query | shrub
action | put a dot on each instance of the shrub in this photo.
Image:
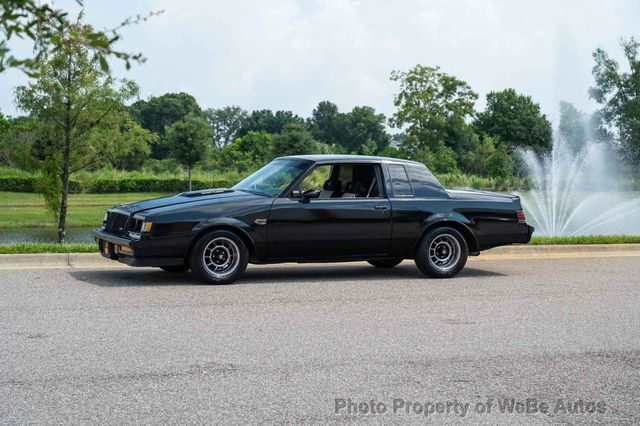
(17, 184)
(29, 184)
(168, 166)
(105, 186)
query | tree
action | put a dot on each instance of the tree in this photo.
(322, 122)
(247, 152)
(516, 120)
(135, 142)
(43, 24)
(365, 133)
(4, 129)
(499, 164)
(226, 123)
(295, 139)
(159, 112)
(429, 104)
(618, 93)
(187, 140)
(360, 131)
(72, 100)
(474, 161)
(5, 151)
(20, 143)
(266, 121)
(4, 124)
(572, 127)
(440, 159)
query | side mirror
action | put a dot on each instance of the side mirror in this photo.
(304, 195)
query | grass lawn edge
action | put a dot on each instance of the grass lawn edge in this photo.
(34, 248)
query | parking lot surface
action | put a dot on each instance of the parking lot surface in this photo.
(319, 343)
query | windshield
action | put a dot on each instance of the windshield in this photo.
(273, 178)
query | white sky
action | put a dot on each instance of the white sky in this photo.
(288, 54)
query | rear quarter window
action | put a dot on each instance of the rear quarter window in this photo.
(400, 181)
(424, 183)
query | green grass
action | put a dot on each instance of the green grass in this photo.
(24, 210)
(587, 239)
(23, 248)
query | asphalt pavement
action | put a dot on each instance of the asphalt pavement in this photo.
(514, 341)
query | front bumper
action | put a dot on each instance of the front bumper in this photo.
(99, 234)
(131, 252)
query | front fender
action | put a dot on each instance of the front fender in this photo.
(222, 221)
(254, 236)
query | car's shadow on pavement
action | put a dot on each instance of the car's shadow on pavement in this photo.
(265, 275)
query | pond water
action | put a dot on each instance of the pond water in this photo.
(44, 235)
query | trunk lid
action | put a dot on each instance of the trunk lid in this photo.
(472, 194)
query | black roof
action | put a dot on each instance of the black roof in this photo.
(343, 157)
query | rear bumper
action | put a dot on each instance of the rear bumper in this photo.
(524, 233)
(131, 252)
(514, 234)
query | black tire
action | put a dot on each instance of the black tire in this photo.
(224, 250)
(442, 253)
(385, 263)
(175, 268)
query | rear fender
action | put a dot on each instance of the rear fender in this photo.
(454, 220)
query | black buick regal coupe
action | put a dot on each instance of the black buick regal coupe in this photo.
(315, 208)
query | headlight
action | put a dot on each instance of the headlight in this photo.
(104, 220)
(144, 228)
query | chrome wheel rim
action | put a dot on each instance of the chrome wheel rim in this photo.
(444, 252)
(221, 257)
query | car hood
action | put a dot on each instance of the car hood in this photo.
(183, 198)
(471, 194)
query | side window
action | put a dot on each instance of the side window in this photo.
(342, 181)
(316, 180)
(424, 183)
(400, 181)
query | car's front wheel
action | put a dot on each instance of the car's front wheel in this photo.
(442, 253)
(219, 257)
(385, 263)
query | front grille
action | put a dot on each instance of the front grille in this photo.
(116, 223)
(135, 225)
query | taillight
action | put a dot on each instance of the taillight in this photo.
(521, 216)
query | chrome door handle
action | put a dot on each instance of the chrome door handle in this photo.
(380, 207)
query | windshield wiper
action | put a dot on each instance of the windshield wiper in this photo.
(252, 191)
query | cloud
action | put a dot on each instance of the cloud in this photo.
(287, 54)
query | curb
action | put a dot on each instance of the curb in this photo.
(56, 260)
(569, 248)
(516, 252)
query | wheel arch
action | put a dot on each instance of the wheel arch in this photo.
(467, 233)
(242, 234)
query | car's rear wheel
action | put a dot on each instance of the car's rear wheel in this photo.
(219, 257)
(442, 253)
(385, 263)
(175, 268)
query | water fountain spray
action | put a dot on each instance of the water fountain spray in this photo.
(579, 192)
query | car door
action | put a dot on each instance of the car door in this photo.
(335, 224)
